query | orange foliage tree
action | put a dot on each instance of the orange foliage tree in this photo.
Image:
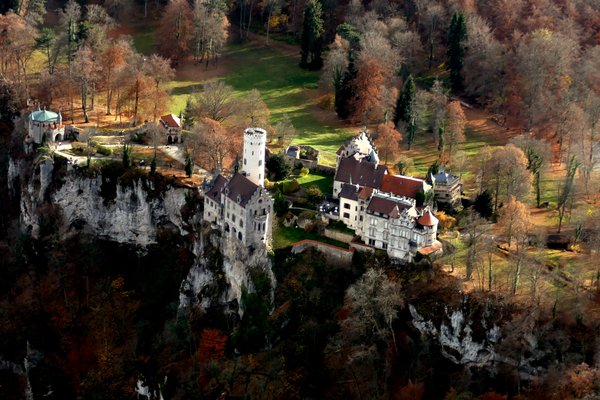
(175, 30)
(388, 141)
(368, 86)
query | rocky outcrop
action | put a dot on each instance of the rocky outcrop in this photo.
(223, 270)
(133, 216)
(133, 209)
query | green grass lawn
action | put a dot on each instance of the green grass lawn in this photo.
(323, 182)
(144, 39)
(286, 236)
(283, 86)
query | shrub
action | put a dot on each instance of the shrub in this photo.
(279, 166)
(483, 204)
(291, 186)
(280, 204)
(314, 196)
(327, 102)
(269, 185)
(103, 150)
(304, 171)
(446, 221)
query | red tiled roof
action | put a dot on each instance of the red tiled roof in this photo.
(365, 193)
(428, 219)
(436, 246)
(171, 121)
(401, 185)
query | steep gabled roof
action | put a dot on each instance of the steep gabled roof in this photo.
(386, 206)
(365, 193)
(240, 186)
(362, 173)
(217, 186)
(349, 192)
(402, 185)
(171, 121)
(428, 219)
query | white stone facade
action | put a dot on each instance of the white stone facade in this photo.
(240, 207)
(45, 125)
(255, 141)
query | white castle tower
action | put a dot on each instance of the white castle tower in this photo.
(255, 141)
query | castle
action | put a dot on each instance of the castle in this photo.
(45, 125)
(382, 208)
(241, 207)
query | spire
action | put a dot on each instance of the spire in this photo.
(59, 118)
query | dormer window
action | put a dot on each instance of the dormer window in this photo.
(239, 199)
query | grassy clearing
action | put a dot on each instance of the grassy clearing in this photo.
(144, 39)
(284, 87)
(323, 182)
(286, 236)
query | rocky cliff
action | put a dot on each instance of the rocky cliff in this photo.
(132, 207)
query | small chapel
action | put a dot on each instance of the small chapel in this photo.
(45, 126)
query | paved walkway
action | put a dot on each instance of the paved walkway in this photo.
(174, 151)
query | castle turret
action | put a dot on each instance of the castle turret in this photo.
(255, 141)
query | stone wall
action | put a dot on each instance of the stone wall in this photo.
(339, 236)
(332, 253)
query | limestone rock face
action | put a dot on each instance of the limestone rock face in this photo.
(132, 217)
(134, 213)
(226, 276)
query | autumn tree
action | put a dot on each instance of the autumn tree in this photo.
(456, 36)
(285, 131)
(210, 25)
(507, 174)
(404, 165)
(175, 30)
(367, 103)
(484, 64)
(255, 110)
(454, 131)
(566, 190)
(113, 60)
(160, 72)
(374, 302)
(515, 221)
(311, 41)
(544, 60)
(209, 140)
(538, 154)
(387, 140)
(335, 65)
(216, 101)
(86, 73)
(474, 236)
(17, 44)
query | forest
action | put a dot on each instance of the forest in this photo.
(504, 93)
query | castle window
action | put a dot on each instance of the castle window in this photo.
(241, 223)
(346, 215)
(259, 163)
(244, 161)
(346, 206)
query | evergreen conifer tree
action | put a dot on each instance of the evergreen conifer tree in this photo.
(153, 165)
(344, 92)
(126, 155)
(189, 166)
(456, 51)
(405, 108)
(312, 36)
